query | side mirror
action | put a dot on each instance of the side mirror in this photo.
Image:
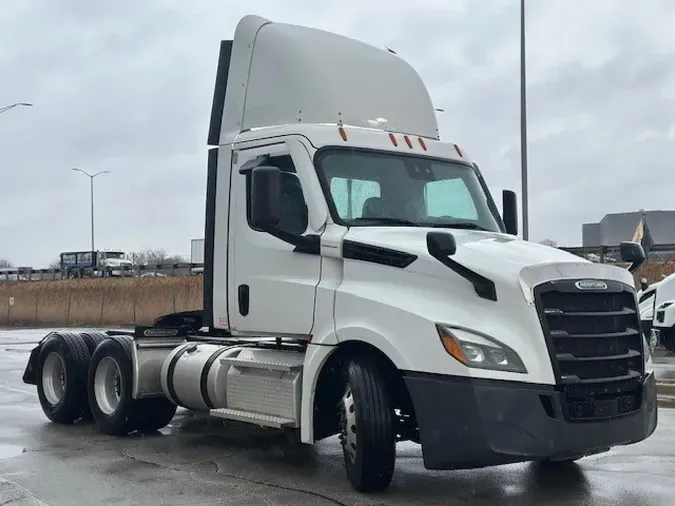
(441, 244)
(510, 211)
(632, 252)
(265, 197)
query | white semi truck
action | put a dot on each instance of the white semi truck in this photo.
(359, 281)
(662, 298)
(646, 299)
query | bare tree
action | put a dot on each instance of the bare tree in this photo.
(56, 264)
(154, 257)
(5, 264)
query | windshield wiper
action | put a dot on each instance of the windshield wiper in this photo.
(389, 221)
(459, 224)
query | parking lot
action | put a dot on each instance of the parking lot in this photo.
(197, 462)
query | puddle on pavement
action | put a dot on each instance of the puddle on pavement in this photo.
(8, 451)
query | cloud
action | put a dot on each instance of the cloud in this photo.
(127, 86)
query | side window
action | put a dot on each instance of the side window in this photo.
(449, 197)
(350, 195)
(294, 214)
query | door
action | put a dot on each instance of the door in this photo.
(271, 288)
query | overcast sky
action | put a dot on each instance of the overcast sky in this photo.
(127, 86)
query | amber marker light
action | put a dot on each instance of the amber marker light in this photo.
(451, 344)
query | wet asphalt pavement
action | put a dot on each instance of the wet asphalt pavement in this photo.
(200, 462)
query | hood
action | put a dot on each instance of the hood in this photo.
(116, 261)
(477, 250)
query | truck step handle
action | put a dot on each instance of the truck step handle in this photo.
(243, 296)
(250, 417)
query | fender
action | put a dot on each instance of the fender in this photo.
(316, 357)
(377, 340)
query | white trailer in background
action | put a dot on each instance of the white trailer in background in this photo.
(359, 281)
(197, 251)
(197, 255)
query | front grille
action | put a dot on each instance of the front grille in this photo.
(595, 343)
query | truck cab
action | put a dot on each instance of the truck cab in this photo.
(339, 217)
(95, 263)
(646, 306)
(359, 281)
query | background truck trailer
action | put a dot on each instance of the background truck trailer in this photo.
(360, 282)
(197, 255)
(197, 251)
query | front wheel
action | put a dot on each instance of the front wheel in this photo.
(367, 427)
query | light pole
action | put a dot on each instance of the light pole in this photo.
(12, 106)
(91, 188)
(523, 126)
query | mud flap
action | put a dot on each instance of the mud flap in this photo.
(29, 375)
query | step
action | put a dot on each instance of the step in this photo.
(272, 361)
(250, 417)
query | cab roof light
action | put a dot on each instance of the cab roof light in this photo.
(407, 141)
(393, 140)
(343, 134)
(422, 143)
(459, 151)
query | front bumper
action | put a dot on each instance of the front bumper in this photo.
(466, 423)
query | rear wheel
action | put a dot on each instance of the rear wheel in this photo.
(61, 374)
(367, 427)
(91, 340)
(110, 392)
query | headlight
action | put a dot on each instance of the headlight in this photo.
(480, 351)
(647, 356)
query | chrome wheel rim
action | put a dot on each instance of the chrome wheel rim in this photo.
(348, 425)
(54, 378)
(108, 385)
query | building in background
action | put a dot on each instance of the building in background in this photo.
(657, 229)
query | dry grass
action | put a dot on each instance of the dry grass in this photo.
(97, 302)
(129, 301)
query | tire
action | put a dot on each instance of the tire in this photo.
(109, 386)
(367, 426)
(61, 375)
(564, 462)
(92, 340)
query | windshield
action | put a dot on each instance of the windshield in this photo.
(108, 255)
(374, 189)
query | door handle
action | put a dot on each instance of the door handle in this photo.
(243, 299)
